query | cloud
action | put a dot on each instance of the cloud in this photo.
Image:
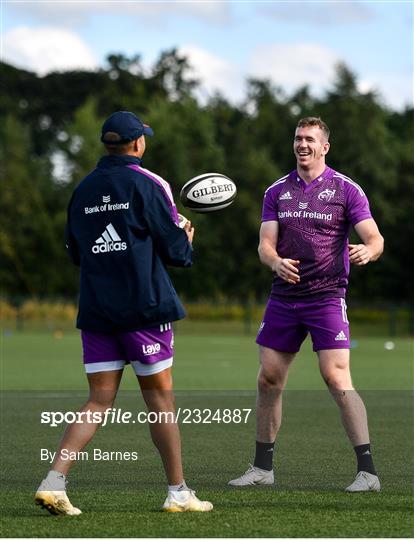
(293, 65)
(69, 13)
(214, 73)
(289, 66)
(396, 91)
(319, 12)
(286, 65)
(45, 49)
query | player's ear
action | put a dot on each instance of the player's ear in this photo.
(325, 148)
(139, 145)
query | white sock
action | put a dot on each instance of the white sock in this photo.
(56, 480)
(178, 487)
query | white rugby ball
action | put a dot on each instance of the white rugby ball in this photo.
(208, 192)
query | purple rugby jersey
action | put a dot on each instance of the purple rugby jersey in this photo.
(314, 223)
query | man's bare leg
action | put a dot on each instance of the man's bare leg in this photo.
(103, 387)
(157, 391)
(335, 370)
(271, 381)
(51, 494)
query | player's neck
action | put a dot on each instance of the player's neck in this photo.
(309, 174)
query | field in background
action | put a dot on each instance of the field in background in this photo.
(224, 317)
(214, 360)
(213, 369)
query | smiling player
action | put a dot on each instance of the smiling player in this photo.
(307, 216)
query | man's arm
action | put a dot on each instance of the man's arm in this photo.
(284, 268)
(172, 244)
(371, 248)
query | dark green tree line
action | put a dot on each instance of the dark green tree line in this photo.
(49, 139)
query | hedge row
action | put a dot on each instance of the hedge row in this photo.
(40, 311)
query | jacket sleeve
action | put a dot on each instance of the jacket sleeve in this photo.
(71, 245)
(171, 242)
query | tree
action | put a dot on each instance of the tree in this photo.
(61, 115)
(362, 147)
(28, 239)
(80, 141)
(172, 72)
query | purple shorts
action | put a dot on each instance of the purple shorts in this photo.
(286, 324)
(149, 351)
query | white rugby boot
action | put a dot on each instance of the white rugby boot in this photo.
(254, 477)
(55, 501)
(364, 481)
(185, 501)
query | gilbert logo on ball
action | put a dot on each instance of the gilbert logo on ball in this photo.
(208, 192)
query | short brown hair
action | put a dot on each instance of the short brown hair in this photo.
(314, 121)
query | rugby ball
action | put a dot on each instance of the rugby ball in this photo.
(208, 192)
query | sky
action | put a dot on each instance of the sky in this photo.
(291, 43)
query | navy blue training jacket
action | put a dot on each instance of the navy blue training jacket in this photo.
(122, 231)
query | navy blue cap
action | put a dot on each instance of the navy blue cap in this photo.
(126, 125)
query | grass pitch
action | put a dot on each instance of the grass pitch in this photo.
(314, 460)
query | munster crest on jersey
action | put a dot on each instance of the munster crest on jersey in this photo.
(326, 195)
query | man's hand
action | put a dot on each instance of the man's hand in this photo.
(287, 270)
(189, 231)
(359, 254)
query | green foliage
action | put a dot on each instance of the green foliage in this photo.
(28, 239)
(58, 118)
(81, 146)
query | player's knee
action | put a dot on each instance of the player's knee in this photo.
(102, 398)
(337, 380)
(269, 382)
(331, 381)
(159, 399)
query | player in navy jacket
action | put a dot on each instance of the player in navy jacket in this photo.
(122, 230)
(124, 245)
